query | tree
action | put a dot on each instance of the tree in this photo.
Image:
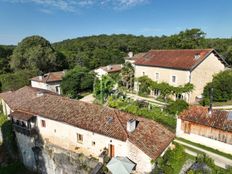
(188, 39)
(103, 88)
(35, 52)
(76, 81)
(127, 75)
(222, 87)
(16, 80)
(176, 107)
(5, 52)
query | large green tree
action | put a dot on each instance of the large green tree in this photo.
(35, 52)
(76, 81)
(222, 87)
(5, 52)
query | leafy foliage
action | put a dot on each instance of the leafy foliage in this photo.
(176, 107)
(5, 52)
(36, 52)
(16, 80)
(146, 85)
(149, 112)
(76, 81)
(127, 75)
(103, 88)
(222, 87)
(172, 161)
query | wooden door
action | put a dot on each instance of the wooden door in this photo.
(111, 150)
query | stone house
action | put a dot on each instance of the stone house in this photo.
(84, 128)
(50, 81)
(179, 67)
(212, 128)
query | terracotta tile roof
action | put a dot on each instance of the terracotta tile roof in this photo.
(149, 136)
(112, 68)
(218, 119)
(50, 77)
(21, 115)
(176, 59)
(15, 98)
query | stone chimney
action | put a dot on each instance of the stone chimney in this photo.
(131, 125)
(197, 56)
(130, 54)
(109, 67)
(39, 94)
(40, 77)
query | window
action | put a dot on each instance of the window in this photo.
(179, 97)
(156, 92)
(79, 138)
(43, 123)
(173, 79)
(157, 76)
(57, 89)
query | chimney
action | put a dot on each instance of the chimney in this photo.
(39, 94)
(40, 77)
(211, 101)
(131, 125)
(197, 56)
(130, 54)
(109, 67)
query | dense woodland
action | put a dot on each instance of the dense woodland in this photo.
(35, 55)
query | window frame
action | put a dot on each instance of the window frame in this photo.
(79, 138)
(172, 79)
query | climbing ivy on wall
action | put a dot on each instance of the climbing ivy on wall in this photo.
(146, 85)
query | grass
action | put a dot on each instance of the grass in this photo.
(229, 156)
(227, 103)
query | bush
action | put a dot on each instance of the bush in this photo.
(177, 107)
(153, 113)
(172, 161)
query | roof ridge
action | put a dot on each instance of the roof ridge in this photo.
(181, 49)
(121, 123)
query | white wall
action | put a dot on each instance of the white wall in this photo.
(50, 86)
(227, 148)
(143, 161)
(6, 109)
(64, 135)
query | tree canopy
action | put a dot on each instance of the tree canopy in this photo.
(76, 81)
(35, 52)
(222, 88)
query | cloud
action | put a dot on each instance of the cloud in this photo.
(73, 5)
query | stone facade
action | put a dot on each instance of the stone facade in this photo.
(199, 76)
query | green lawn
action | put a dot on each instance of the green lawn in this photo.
(227, 103)
(229, 156)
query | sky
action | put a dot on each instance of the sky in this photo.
(57, 20)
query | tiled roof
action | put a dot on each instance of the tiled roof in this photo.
(112, 68)
(176, 59)
(149, 136)
(21, 115)
(15, 98)
(50, 77)
(218, 119)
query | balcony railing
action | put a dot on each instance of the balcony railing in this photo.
(24, 130)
